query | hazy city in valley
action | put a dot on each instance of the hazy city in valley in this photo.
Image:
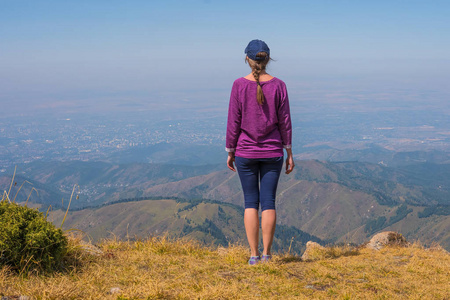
(329, 125)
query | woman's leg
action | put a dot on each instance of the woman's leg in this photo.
(248, 171)
(251, 222)
(268, 222)
(270, 173)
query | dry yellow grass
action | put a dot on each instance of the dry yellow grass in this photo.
(159, 268)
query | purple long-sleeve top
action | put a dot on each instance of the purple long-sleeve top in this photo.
(254, 130)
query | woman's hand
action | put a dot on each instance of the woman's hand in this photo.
(230, 161)
(289, 161)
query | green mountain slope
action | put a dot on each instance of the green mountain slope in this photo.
(334, 201)
(427, 230)
(205, 221)
(24, 188)
(387, 185)
(105, 182)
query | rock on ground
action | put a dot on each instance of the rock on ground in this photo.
(114, 290)
(386, 238)
(90, 249)
(311, 249)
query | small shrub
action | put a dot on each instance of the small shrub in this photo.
(28, 242)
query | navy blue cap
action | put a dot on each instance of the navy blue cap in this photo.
(254, 47)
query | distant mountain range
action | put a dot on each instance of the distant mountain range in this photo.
(331, 201)
(197, 155)
(344, 202)
(99, 182)
(372, 153)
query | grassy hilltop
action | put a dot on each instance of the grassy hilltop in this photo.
(159, 268)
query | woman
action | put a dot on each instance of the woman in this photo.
(258, 128)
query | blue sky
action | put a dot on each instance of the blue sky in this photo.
(58, 48)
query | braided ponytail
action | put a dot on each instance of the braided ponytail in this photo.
(257, 67)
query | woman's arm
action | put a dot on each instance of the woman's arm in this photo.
(230, 161)
(285, 126)
(284, 119)
(289, 161)
(233, 122)
(233, 127)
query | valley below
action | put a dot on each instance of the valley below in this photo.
(327, 202)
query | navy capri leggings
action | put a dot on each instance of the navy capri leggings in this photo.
(259, 179)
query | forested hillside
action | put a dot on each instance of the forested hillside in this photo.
(210, 222)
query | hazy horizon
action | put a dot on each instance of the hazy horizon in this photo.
(100, 80)
(98, 55)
